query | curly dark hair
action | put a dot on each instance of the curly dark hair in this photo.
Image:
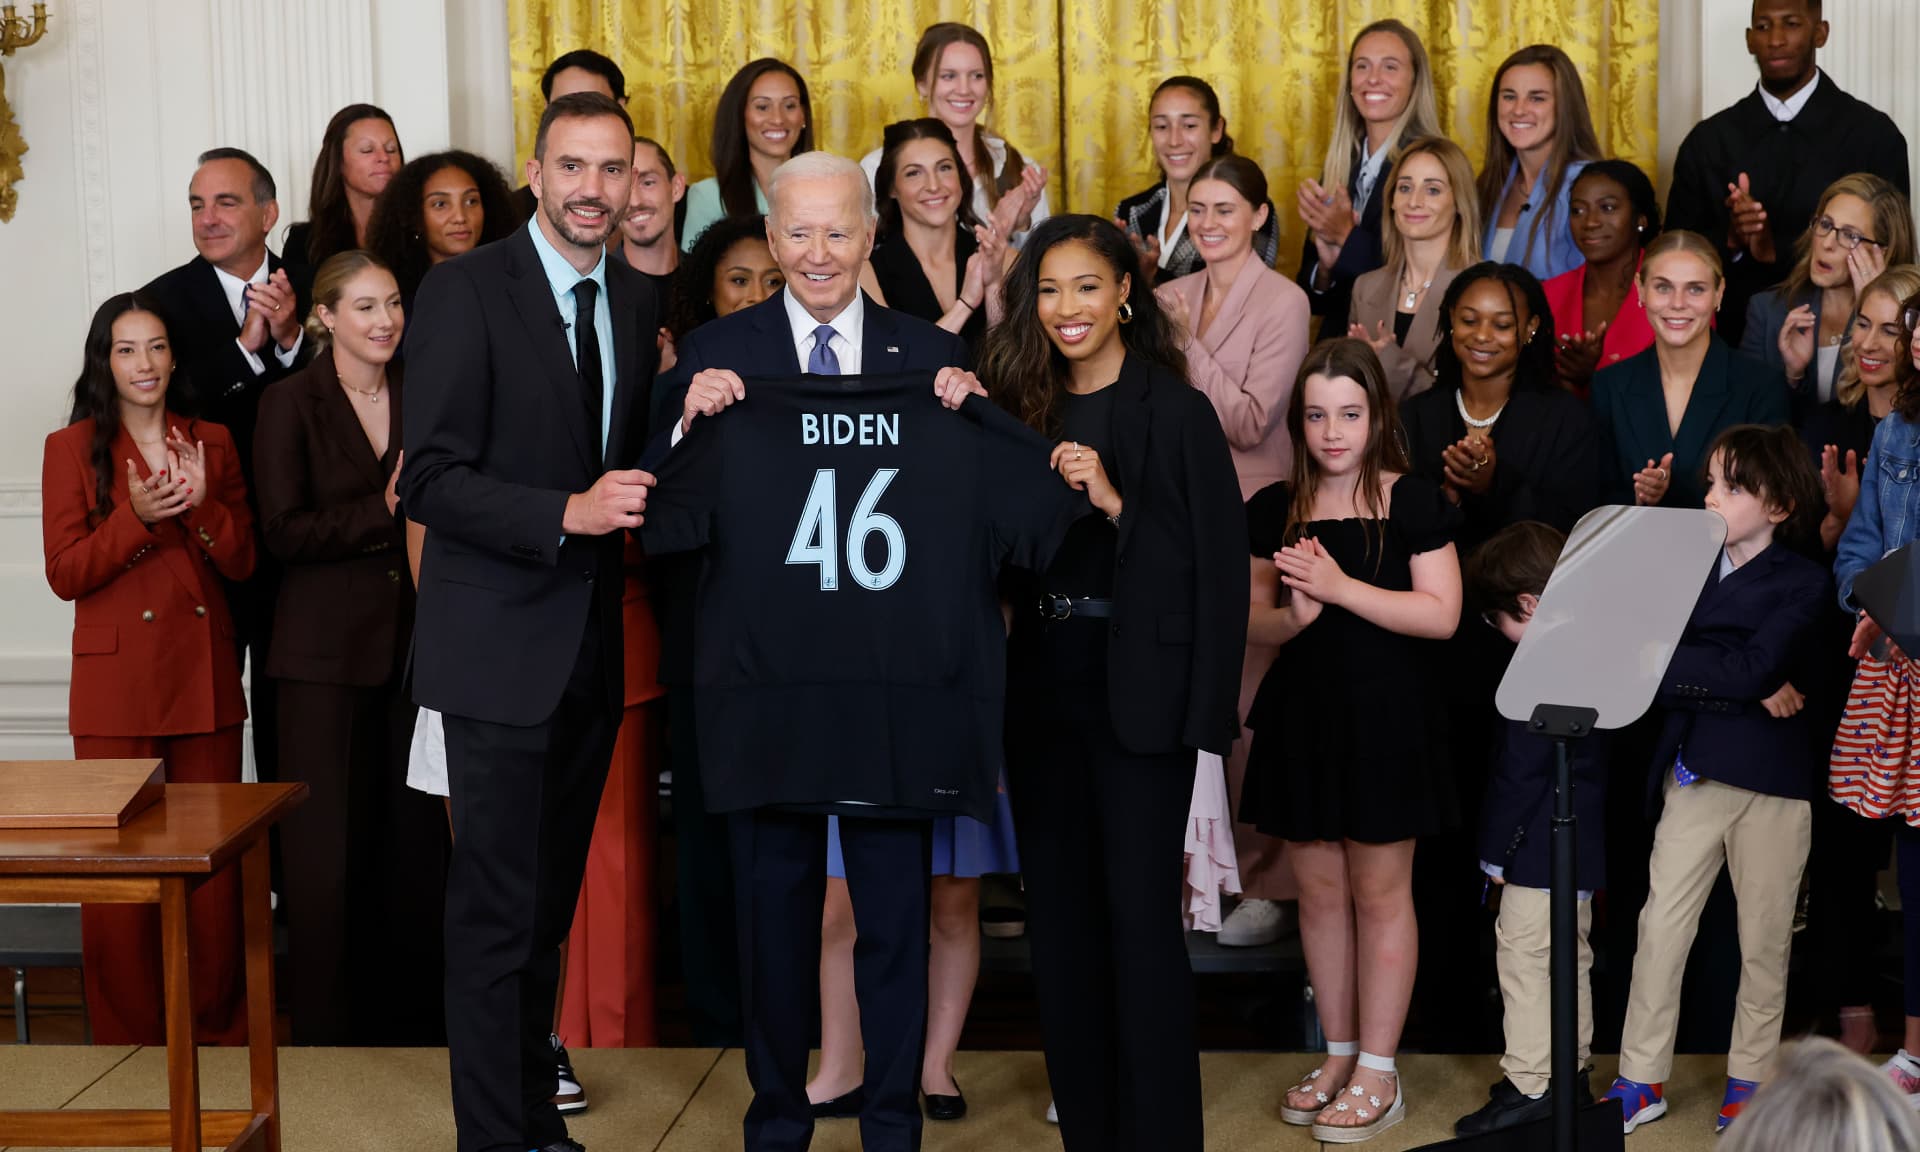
(1019, 364)
(693, 290)
(395, 232)
(327, 205)
(1535, 370)
(96, 397)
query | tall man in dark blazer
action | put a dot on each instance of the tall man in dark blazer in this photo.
(527, 366)
(1750, 176)
(820, 227)
(234, 312)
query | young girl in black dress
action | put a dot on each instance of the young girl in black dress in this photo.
(1348, 760)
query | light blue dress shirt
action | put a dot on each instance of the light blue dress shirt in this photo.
(1553, 250)
(562, 277)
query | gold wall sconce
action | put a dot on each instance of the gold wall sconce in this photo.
(15, 32)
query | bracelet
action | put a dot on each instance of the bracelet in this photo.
(970, 307)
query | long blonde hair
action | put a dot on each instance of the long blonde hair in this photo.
(1899, 283)
(1573, 139)
(1421, 116)
(1463, 249)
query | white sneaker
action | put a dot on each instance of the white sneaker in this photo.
(1053, 1114)
(1253, 923)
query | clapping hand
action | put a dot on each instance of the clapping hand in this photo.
(1330, 217)
(1650, 483)
(1178, 314)
(1796, 342)
(1748, 227)
(1381, 337)
(159, 497)
(1579, 355)
(1014, 213)
(189, 463)
(1146, 247)
(1307, 567)
(1840, 480)
(1468, 464)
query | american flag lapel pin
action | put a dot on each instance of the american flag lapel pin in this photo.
(892, 349)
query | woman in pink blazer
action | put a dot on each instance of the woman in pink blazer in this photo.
(1245, 334)
(1245, 325)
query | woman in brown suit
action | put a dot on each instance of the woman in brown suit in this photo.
(359, 854)
(144, 513)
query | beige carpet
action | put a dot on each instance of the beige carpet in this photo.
(691, 1100)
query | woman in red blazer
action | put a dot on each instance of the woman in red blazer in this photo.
(144, 513)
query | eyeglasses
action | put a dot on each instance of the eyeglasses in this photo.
(1491, 618)
(1823, 226)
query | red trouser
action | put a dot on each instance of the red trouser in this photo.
(120, 943)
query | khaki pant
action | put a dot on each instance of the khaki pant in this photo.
(1763, 840)
(1523, 939)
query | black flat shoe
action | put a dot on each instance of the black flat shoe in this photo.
(952, 1107)
(844, 1107)
(1507, 1107)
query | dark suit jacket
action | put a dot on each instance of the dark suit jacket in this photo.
(1788, 166)
(1747, 636)
(1766, 315)
(1361, 254)
(153, 642)
(1516, 817)
(1180, 591)
(225, 388)
(1733, 388)
(498, 435)
(758, 341)
(345, 605)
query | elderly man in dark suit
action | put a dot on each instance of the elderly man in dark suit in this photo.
(527, 367)
(820, 227)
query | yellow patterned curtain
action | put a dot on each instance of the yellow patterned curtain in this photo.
(1072, 77)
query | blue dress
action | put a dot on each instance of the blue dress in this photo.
(962, 846)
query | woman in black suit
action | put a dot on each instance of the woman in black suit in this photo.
(1124, 658)
(1501, 438)
(1661, 410)
(362, 876)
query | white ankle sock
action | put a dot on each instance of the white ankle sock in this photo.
(1343, 1047)
(1908, 1061)
(1372, 1063)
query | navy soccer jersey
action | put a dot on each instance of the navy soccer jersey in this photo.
(848, 642)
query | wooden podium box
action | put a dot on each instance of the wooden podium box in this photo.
(77, 793)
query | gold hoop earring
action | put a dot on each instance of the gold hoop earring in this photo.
(1126, 312)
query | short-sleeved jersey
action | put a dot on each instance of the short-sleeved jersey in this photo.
(848, 643)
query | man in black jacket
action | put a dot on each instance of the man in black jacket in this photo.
(234, 313)
(1750, 176)
(527, 366)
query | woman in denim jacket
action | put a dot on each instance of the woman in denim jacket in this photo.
(1886, 516)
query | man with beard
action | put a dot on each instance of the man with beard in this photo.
(527, 365)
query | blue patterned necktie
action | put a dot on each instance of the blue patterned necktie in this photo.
(822, 361)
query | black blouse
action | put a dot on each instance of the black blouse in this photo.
(1545, 464)
(905, 285)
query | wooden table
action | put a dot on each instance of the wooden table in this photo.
(159, 857)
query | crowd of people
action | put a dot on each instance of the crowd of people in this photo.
(401, 472)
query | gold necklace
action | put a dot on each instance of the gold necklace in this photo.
(373, 395)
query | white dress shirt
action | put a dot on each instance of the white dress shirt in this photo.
(236, 290)
(1371, 165)
(848, 327)
(1786, 110)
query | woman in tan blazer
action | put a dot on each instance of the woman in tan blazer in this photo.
(1243, 325)
(1433, 236)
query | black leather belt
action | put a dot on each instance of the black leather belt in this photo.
(1055, 607)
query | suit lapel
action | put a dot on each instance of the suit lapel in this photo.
(209, 301)
(1647, 409)
(532, 297)
(627, 384)
(1710, 394)
(1233, 309)
(1132, 432)
(336, 412)
(1423, 334)
(177, 560)
(881, 348)
(776, 336)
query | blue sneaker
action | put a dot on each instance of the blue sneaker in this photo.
(1639, 1103)
(1738, 1092)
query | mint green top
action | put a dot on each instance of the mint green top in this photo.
(704, 207)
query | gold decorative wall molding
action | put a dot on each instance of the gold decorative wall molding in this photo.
(12, 147)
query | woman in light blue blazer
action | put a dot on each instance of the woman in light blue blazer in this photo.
(1539, 137)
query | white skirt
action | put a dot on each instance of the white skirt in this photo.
(427, 759)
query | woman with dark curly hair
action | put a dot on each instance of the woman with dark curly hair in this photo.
(730, 267)
(359, 155)
(436, 208)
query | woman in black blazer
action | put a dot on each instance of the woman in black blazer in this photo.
(363, 853)
(1660, 411)
(1124, 659)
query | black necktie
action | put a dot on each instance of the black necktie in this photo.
(586, 349)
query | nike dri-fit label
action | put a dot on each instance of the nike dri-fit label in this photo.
(848, 644)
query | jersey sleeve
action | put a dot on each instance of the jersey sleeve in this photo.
(680, 509)
(1029, 506)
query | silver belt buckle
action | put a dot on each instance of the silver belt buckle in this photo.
(1053, 607)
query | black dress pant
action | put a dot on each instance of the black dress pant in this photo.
(709, 951)
(368, 869)
(1102, 834)
(524, 801)
(780, 872)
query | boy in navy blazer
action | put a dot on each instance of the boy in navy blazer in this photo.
(1506, 576)
(1732, 763)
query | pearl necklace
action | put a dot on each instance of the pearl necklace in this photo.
(1460, 402)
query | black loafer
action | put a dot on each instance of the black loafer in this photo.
(844, 1107)
(1508, 1107)
(952, 1107)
